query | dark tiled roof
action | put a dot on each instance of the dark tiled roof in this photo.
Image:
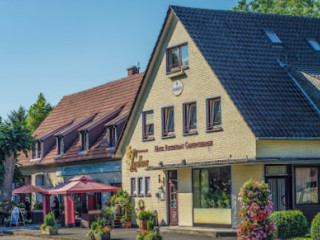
(235, 46)
(73, 111)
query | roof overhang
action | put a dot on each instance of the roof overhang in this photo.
(239, 161)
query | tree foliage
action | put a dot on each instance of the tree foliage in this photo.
(38, 112)
(15, 138)
(310, 8)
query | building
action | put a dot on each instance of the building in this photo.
(227, 96)
(80, 136)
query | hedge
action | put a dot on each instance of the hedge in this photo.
(291, 223)
(315, 227)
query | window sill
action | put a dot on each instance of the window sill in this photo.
(177, 72)
(148, 139)
(140, 195)
(191, 133)
(82, 152)
(36, 159)
(216, 129)
(134, 195)
(148, 195)
(59, 156)
(169, 136)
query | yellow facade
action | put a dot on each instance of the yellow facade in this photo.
(288, 148)
(235, 141)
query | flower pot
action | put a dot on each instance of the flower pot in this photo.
(105, 236)
(127, 225)
(143, 225)
(50, 231)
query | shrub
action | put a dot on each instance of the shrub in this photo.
(255, 209)
(150, 225)
(145, 216)
(290, 224)
(141, 205)
(142, 235)
(315, 227)
(49, 220)
(152, 236)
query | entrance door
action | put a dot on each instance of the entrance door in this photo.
(173, 198)
(279, 193)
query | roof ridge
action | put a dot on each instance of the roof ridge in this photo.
(109, 82)
(242, 12)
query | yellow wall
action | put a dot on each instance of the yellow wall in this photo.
(185, 196)
(239, 175)
(235, 141)
(288, 148)
(212, 215)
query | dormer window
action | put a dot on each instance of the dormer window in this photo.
(60, 145)
(314, 44)
(273, 37)
(177, 58)
(83, 141)
(36, 152)
(111, 136)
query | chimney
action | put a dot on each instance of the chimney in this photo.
(132, 71)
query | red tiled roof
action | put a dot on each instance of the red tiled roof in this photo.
(99, 101)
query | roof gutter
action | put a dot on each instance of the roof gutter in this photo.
(287, 138)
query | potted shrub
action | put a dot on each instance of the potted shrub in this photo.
(144, 217)
(49, 226)
(150, 233)
(98, 232)
(122, 201)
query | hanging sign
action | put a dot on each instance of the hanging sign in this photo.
(177, 87)
(132, 155)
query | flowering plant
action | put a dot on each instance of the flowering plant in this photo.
(256, 206)
(106, 230)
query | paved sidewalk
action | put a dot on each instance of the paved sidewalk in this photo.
(33, 232)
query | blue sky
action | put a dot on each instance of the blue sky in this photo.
(59, 47)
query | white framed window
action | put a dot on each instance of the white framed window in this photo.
(177, 57)
(111, 136)
(83, 141)
(147, 186)
(133, 187)
(60, 145)
(190, 118)
(148, 125)
(168, 121)
(36, 152)
(214, 116)
(140, 187)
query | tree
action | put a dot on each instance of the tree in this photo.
(310, 8)
(14, 140)
(38, 112)
(18, 117)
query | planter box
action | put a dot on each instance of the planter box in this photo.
(105, 236)
(50, 231)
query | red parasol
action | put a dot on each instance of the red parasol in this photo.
(28, 189)
(81, 184)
